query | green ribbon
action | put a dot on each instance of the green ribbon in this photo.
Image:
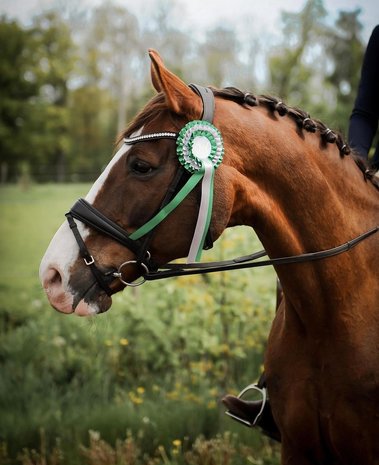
(162, 214)
(200, 149)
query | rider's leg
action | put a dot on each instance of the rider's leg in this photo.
(256, 413)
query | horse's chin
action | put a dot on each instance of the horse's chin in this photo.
(84, 308)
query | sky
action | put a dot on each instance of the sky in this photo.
(202, 15)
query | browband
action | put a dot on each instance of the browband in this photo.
(150, 137)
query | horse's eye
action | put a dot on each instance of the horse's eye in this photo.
(141, 167)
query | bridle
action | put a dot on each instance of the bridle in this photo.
(138, 242)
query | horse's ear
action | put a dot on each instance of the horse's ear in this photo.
(180, 98)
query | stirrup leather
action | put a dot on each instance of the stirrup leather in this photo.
(250, 387)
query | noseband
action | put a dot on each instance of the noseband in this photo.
(139, 241)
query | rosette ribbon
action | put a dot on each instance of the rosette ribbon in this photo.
(200, 150)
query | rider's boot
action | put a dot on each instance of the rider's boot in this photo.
(253, 413)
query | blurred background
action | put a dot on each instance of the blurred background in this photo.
(141, 384)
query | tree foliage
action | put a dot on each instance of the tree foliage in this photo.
(17, 89)
(345, 51)
(36, 69)
(66, 89)
(290, 72)
(318, 67)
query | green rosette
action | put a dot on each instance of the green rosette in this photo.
(197, 142)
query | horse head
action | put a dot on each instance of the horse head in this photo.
(135, 185)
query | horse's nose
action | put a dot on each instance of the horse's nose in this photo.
(52, 279)
(59, 298)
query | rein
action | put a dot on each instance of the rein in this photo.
(171, 270)
(202, 169)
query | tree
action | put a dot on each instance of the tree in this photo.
(17, 88)
(54, 54)
(103, 86)
(289, 71)
(220, 55)
(163, 33)
(92, 128)
(345, 51)
(112, 48)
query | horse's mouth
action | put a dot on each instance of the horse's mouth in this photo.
(92, 301)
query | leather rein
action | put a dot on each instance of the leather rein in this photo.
(250, 261)
(89, 215)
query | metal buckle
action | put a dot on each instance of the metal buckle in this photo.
(118, 273)
(250, 387)
(89, 262)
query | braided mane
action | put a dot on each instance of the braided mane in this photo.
(302, 120)
(154, 108)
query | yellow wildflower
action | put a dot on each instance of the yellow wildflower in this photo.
(124, 341)
(211, 404)
(135, 399)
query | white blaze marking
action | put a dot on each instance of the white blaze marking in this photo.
(95, 189)
(91, 196)
(63, 250)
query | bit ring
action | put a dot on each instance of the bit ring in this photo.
(118, 274)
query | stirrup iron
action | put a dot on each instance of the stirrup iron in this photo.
(250, 387)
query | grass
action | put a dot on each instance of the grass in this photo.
(155, 365)
(29, 218)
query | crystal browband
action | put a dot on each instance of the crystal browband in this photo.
(152, 136)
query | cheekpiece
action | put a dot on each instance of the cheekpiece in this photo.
(197, 142)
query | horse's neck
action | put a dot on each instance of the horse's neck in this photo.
(302, 197)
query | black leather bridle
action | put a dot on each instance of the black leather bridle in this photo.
(89, 215)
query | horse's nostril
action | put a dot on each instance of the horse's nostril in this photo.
(52, 279)
(53, 284)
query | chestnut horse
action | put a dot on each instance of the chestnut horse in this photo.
(291, 179)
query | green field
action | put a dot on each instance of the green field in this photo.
(139, 385)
